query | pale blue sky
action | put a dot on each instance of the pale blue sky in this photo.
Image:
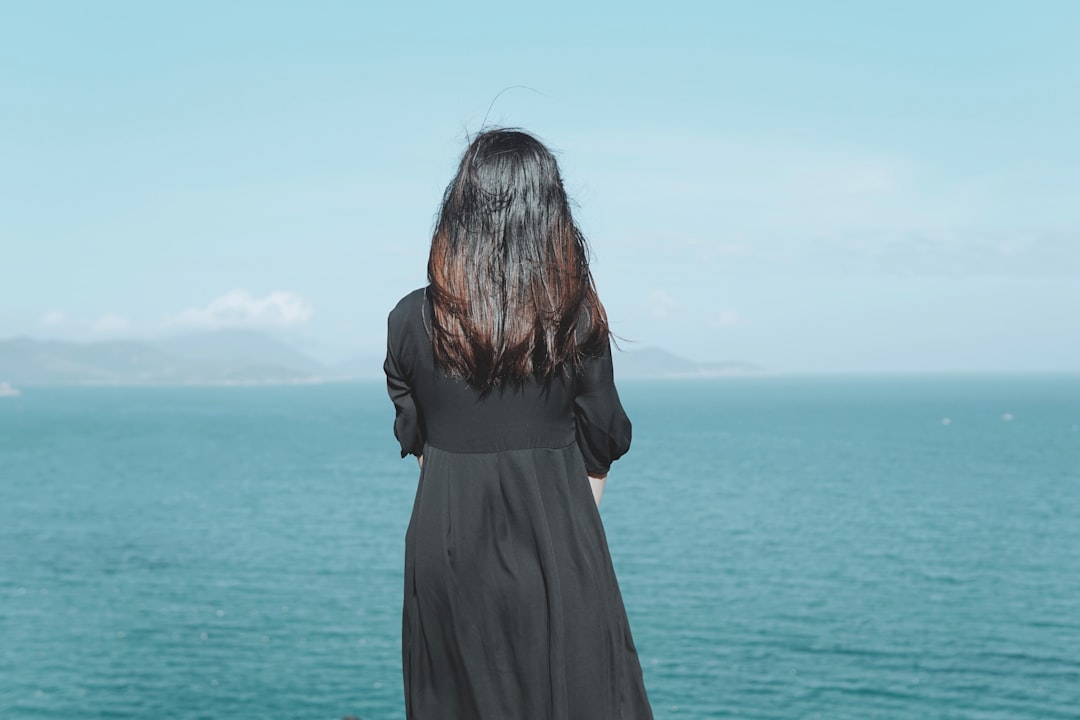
(808, 186)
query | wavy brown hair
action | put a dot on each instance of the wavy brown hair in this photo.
(508, 271)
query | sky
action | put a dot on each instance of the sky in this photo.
(807, 186)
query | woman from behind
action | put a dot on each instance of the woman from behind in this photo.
(501, 377)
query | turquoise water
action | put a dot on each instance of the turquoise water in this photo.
(787, 548)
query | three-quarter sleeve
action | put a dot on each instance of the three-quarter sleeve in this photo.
(408, 423)
(603, 429)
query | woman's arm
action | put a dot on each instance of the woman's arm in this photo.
(597, 484)
(408, 422)
(603, 429)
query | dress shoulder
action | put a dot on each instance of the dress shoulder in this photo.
(409, 310)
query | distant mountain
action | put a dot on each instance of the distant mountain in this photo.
(654, 363)
(213, 358)
(230, 350)
(241, 357)
(25, 361)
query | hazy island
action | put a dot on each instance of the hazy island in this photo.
(246, 357)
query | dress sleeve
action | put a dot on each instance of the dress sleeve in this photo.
(408, 425)
(603, 429)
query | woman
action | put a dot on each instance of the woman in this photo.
(500, 373)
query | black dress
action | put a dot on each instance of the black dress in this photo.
(512, 610)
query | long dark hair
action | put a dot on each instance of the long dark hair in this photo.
(509, 269)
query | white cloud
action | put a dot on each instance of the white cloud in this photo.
(239, 308)
(661, 304)
(53, 318)
(109, 324)
(762, 204)
(761, 184)
(958, 252)
(725, 319)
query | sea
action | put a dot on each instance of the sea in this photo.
(787, 547)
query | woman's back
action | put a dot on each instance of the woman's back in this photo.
(452, 415)
(459, 418)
